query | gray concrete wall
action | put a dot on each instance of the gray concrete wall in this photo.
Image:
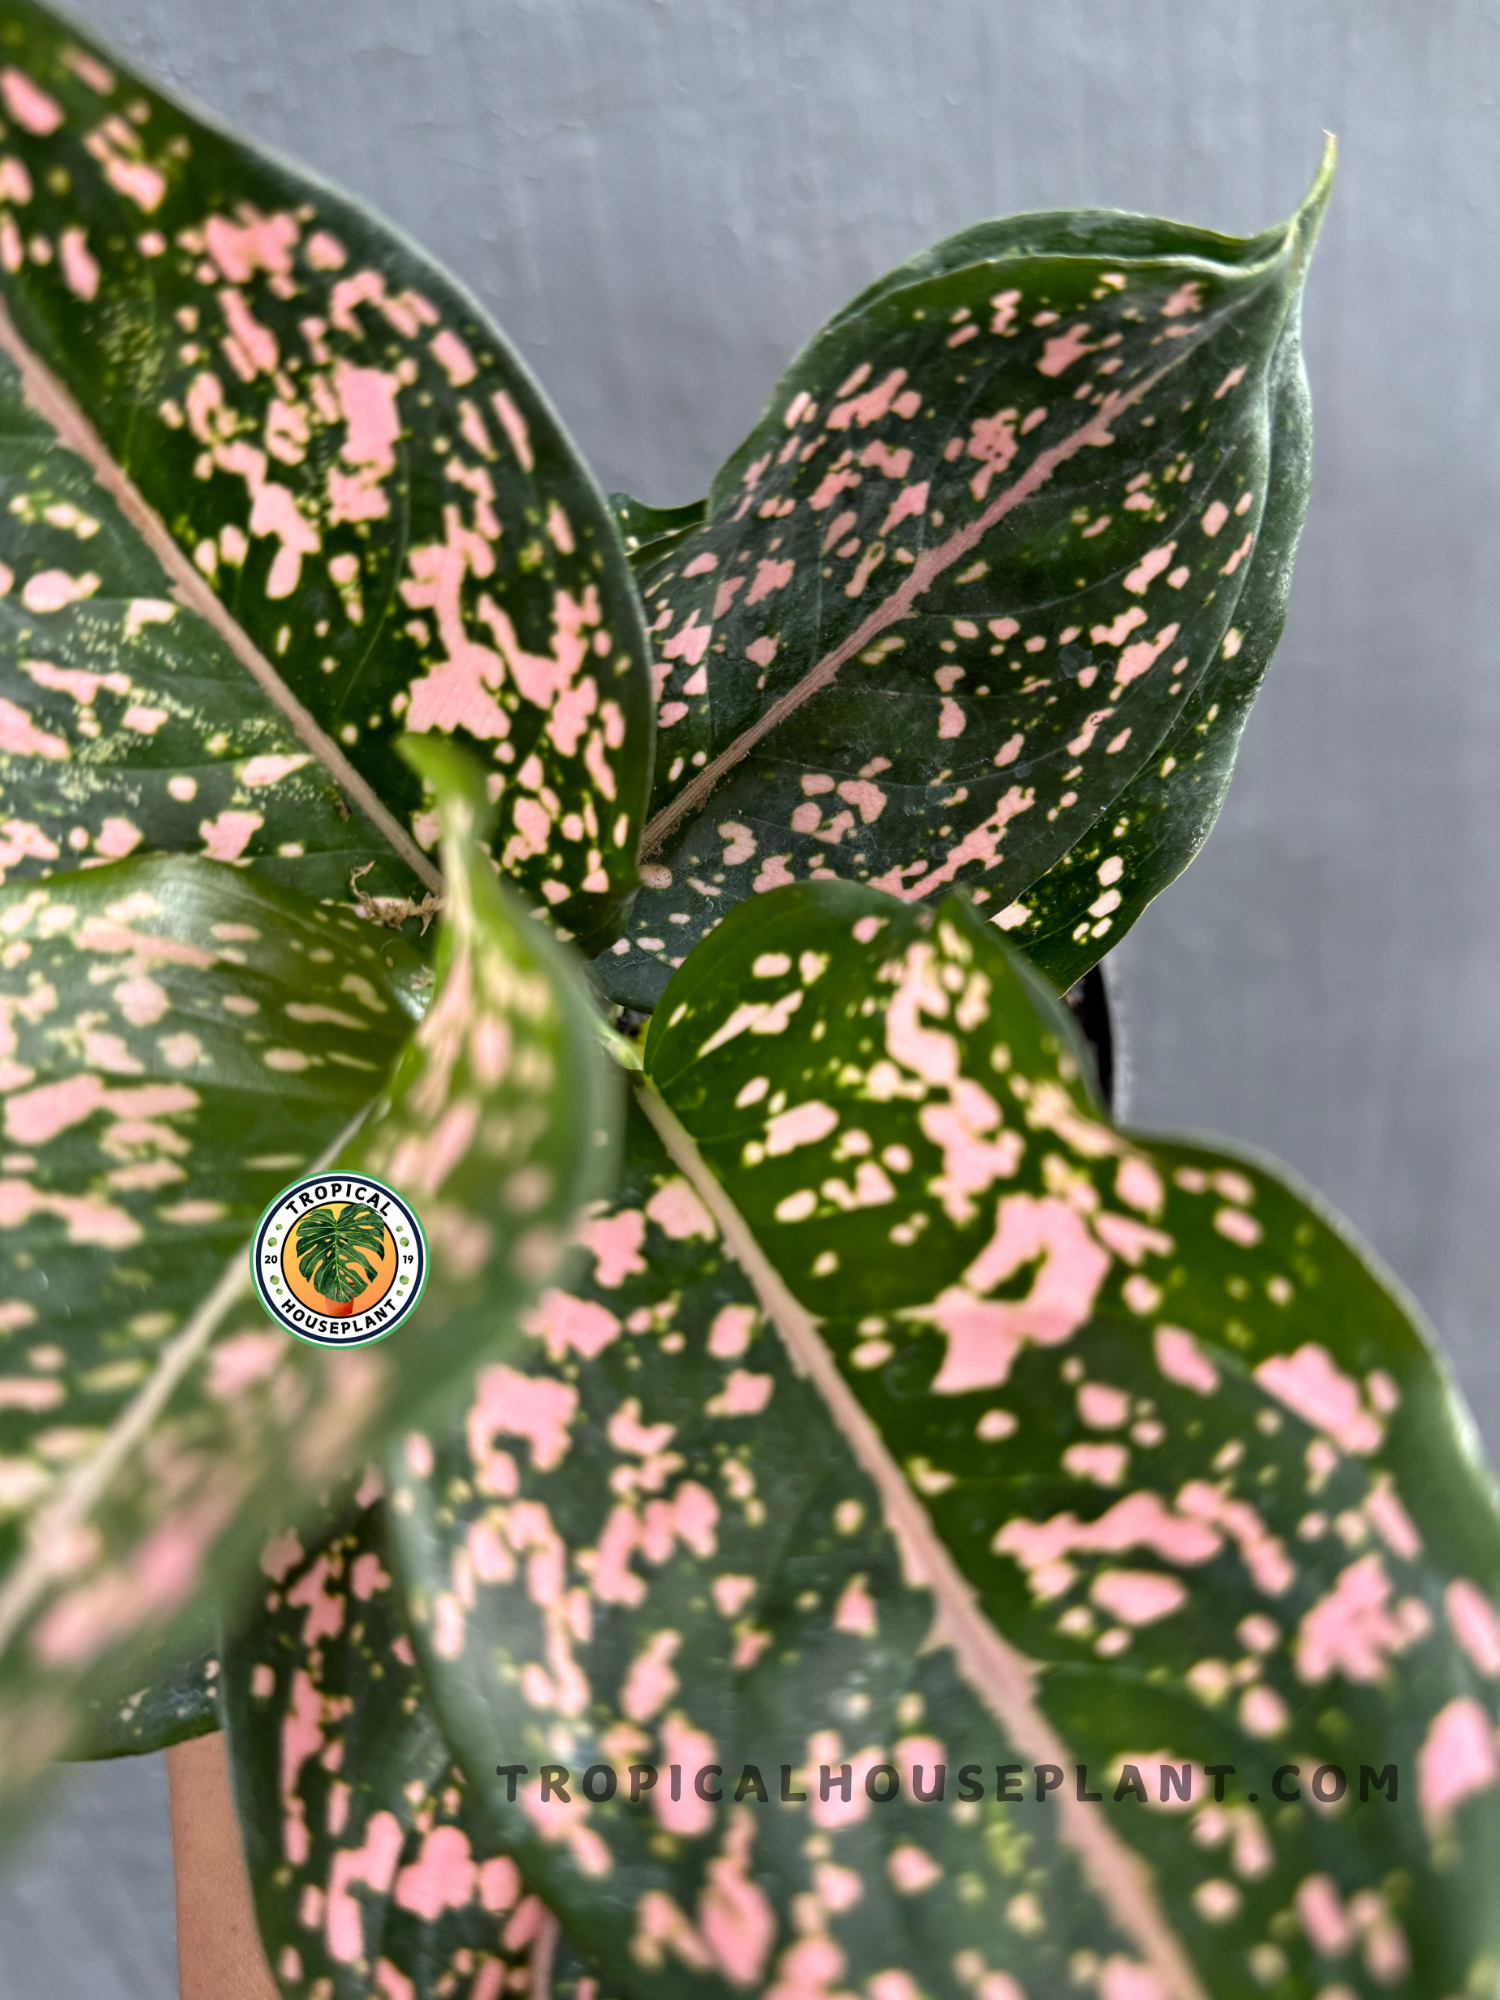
(661, 198)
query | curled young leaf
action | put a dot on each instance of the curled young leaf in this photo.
(279, 492)
(182, 1039)
(372, 1863)
(1016, 520)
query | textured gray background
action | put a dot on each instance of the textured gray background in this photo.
(660, 198)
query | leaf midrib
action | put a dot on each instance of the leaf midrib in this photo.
(1003, 1677)
(55, 404)
(929, 566)
(86, 1489)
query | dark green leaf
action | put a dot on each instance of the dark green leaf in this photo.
(180, 1700)
(648, 532)
(130, 725)
(179, 1040)
(373, 1865)
(1164, 1438)
(280, 492)
(1158, 823)
(645, 1542)
(186, 1038)
(1159, 1462)
(1014, 531)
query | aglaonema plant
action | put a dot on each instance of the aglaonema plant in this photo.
(845, 1518)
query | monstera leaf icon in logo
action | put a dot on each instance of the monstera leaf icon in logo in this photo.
(334, 1247)
(339, 1261)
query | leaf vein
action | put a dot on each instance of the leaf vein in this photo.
(1003, 1677)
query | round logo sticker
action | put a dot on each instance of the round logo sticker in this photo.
(339, 1261)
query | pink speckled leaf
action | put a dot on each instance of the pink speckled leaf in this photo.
(915, 1415)
(277, 491)
(146, 1011)
(373, 1865)
(1173, 1452)
(1158, 823)
(127, 725)
(179, 1041)
(990, 585)
(643, 1543)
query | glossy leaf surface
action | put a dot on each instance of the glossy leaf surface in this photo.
(283, 417)
(176, 1699)
(644, 1543)
(128, 724)
(975, 575)
(648, 531)
(1188, 1450)
(1158, 823)
(1155, 1459)
(184, 1040)
(179, 1040)
(373, 1867)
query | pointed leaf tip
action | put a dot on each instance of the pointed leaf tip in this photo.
(929, 594)
(1308, 219)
